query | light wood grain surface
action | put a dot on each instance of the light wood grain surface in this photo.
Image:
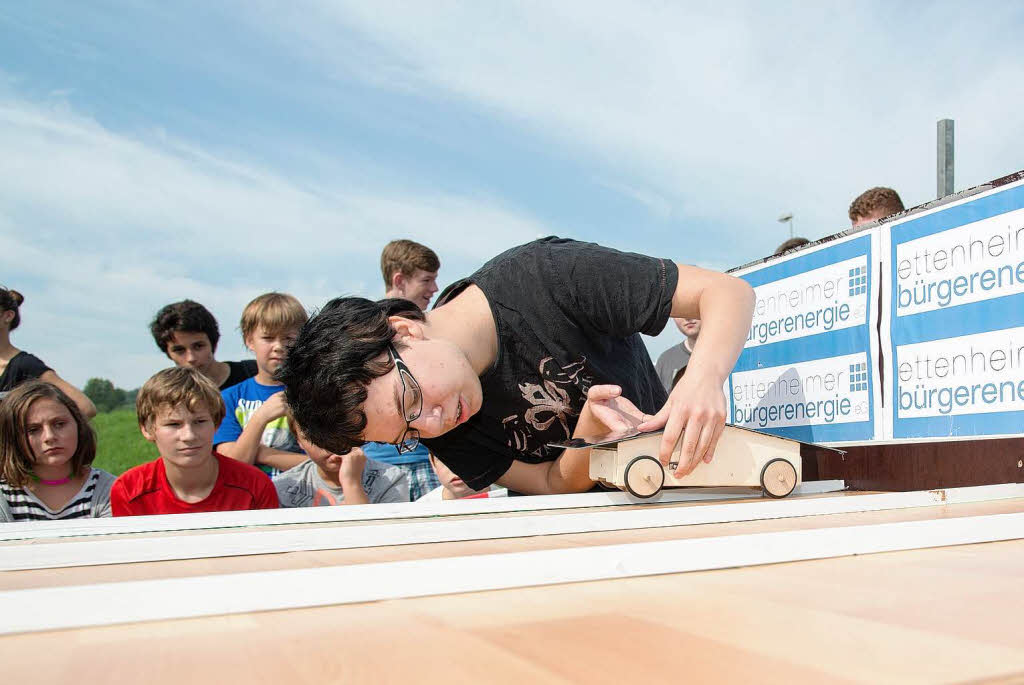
(951, 614)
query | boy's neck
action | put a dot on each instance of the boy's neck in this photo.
(467, 321)
(688, 343)
(193, 484)
(265, 378)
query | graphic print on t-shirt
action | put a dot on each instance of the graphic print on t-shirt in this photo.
(551, 401)
(276, 434)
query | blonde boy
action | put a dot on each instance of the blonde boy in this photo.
(178, 410)
(255, 429)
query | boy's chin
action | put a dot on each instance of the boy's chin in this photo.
(191, 458)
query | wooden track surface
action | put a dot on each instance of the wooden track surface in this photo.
(950, 614)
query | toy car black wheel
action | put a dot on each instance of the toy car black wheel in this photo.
(778, 478)
(644, 477)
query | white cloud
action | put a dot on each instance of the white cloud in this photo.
(106, 228)
(730, 113)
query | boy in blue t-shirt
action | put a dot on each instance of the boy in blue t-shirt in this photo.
(255, 428)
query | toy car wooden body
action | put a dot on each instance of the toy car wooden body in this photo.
(743, 458)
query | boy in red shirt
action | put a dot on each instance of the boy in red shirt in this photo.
(179, 410)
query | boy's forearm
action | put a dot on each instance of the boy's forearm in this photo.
(278, 459)
(571, 472)
(354, 493)
(725, 310)
(249, 444)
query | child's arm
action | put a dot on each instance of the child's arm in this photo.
(279, 459)
(350, 475)
(86, 406)
(605, 411)
(246, 448)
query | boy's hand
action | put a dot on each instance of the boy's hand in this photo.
(273, 408)
(695, 411)
(606, 410)
(351, 470)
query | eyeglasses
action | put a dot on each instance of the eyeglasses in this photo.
(412, 404)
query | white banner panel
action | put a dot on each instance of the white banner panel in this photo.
(808, 370)
(953, 326)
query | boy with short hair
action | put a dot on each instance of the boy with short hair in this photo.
(410, 271)
(187, 333)
(453, 487)
(874, 204)
(255, 429)
(326, 479)
(178, 410)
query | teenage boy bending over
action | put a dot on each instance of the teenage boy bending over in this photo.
(178, 410)
(187, 333)
(326, 479)
(255, 429)
(540, 345)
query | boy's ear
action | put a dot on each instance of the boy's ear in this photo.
(145, 433)
(397, 280)
(407, 328)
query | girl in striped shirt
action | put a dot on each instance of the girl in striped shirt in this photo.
(46, 451)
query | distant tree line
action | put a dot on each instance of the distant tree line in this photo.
(107, 397)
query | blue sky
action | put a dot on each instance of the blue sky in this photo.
(217, 150)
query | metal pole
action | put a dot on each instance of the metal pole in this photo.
(944, 159)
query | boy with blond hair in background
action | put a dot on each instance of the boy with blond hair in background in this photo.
(255, 429)
(178, 410)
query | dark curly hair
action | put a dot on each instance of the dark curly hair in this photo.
(10, 300)
(337, 354)
(185, 316)
(882, 201)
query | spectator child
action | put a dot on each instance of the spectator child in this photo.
(678, 356)
(46, 451)
(874, 204)
(255, 429)
(410, 271)
(453, 487)
(178, 410)
(327, 479)
(17, 366)
(188, 334)
(790, 244)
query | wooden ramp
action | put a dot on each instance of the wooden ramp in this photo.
(693, 586)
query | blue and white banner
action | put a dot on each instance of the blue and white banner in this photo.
(808, 368)
(954, 328)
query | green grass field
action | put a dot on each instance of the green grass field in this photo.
(119, 444)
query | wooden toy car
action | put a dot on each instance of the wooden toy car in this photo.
(743, 458)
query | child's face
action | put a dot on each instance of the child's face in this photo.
(270, 348)
(449, 480)
(51, 431)
(183, 437)
(191, 350)
(328, 461)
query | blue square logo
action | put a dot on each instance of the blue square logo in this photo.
(858, 281)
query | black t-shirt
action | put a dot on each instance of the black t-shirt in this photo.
(22, 367)
(239, 371)
(568, 316)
